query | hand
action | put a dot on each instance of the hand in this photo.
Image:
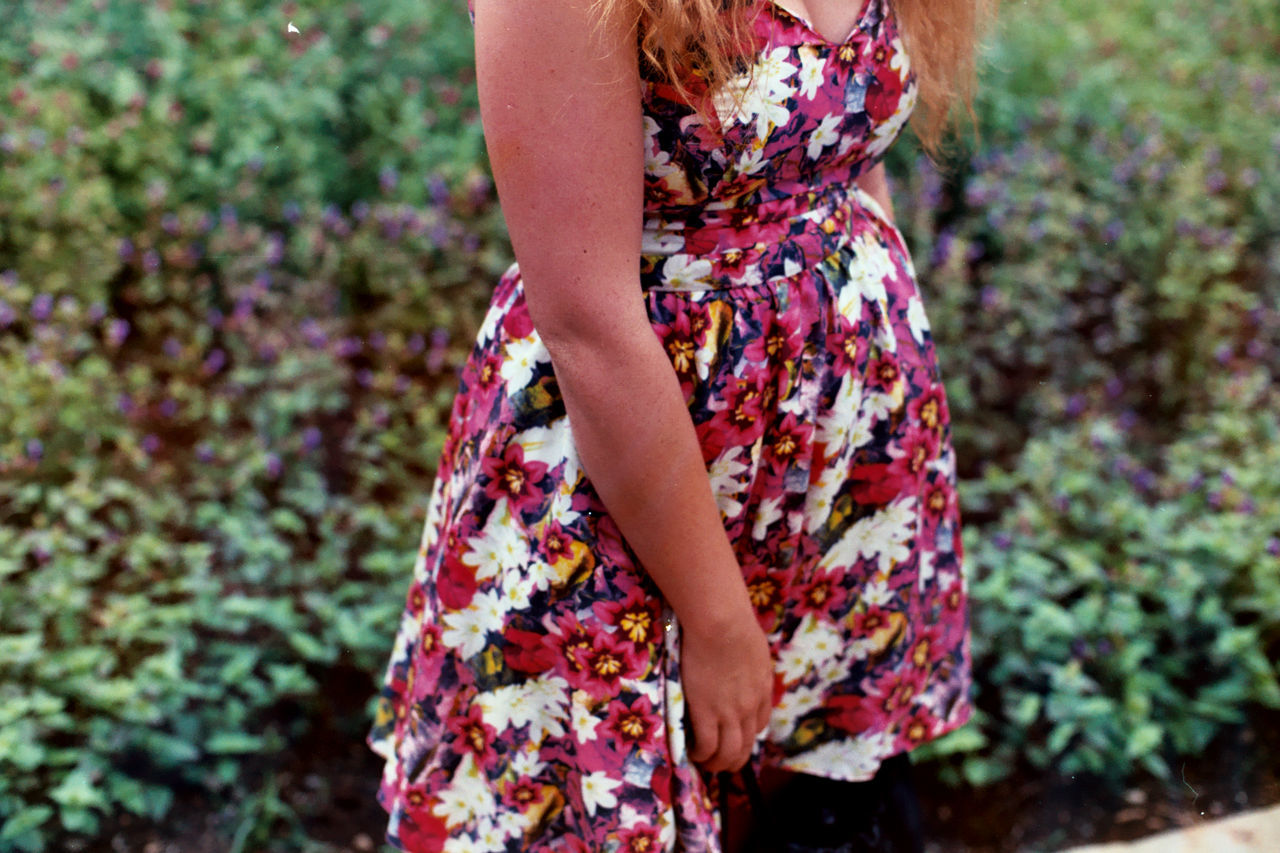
(728, 686)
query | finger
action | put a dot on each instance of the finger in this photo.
(705, 738)
(730, 754)
(763, 713)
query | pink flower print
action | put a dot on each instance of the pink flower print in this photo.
(740, 415)
(914, 730)
(918, 446)
(635, 725)
(522, 794)
(822, 594)
(475, 735)
(513, 478)
(885, 372)
(639, 839)
(790, 441)
(938, 500)
(929, 408)
(604, 665)
(635, 618)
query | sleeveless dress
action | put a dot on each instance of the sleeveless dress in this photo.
(533, 698)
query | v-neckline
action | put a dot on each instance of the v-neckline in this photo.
(857, 24)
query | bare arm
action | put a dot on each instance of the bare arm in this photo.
(561, 110)
(876, 185)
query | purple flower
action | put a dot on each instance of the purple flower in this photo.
(117, 331)
(214, 318)
(1216, 182)
(292, 212)
(347, 347)
(205, 223)
(388, 178)
(311, 438)
(169, 222)
(171, 347)
(364, 376)
(255, 163)
(331, 217)
(437, 189)
(97, 311)
(1144, 479)
(1114, 231)
(35, 449)
(1228, 479)
(1114, 387)
(1104, 647)
(416, 343)
(275, 248)
(479, 190)
(1002, 540)
(401, 384)
(1128, 419)
(7, 314)
(124, 403)
(313, 334)
(1079, 648)
(942, 248)
(267, 353)
(9, 279)
(41, 307)
(1273, 546)
(125, 250)
(151, 260)
(360, 210)
(1256, 349)
(151, 442)
(169, 407)
(214, 362)
(377, 341)
(1196, 481)
(204, 452)
(1222, 354)
(227, 215)
(274, 466)
(1215, 499)
(1248, 506)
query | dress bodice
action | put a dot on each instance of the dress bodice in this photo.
(814, 113)
(756, 187)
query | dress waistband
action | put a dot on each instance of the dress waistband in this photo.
(713, 248)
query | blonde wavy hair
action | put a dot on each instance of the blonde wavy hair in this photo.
(699, 41)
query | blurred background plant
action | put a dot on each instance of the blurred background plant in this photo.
(238, 267)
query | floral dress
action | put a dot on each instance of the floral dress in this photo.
(533, 699)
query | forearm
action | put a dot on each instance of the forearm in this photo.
(638, 446)
(875, 184)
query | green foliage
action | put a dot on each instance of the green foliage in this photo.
(1103, 280)
(226, 375)
(1124, 602)
(223, 396)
